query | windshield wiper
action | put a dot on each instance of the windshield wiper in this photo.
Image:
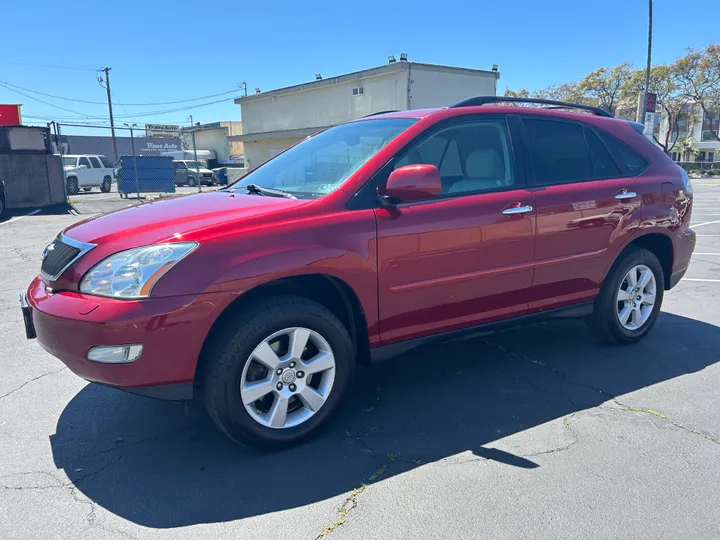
(271, 192)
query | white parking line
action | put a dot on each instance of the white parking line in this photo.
(708, 235)
(714, 254)
(703, 224)
(702, 280)
(17, 218)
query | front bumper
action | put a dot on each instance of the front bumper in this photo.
(172, 331)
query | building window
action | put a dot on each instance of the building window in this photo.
(358, 91)
(674, 156)
(711, 156)
(701, 156)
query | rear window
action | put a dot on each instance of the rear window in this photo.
(603, 163)
(628, 158)
(559, 151)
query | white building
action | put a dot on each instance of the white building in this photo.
(216, 137)
(273, 121)
(700, 130)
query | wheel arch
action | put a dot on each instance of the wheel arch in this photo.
(329, 291)
(659, 244)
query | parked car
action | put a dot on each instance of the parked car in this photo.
(187, 173)
(86, 172)
(365, 240)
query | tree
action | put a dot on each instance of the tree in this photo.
(605, 86)
(698, 75)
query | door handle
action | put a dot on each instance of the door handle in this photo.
(626, 195)
(517, 210)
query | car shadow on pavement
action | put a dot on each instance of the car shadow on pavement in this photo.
(165, 465)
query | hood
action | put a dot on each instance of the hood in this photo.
(187, 216)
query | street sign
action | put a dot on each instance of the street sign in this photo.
(651, 103)
(161, 130)
(649, 124)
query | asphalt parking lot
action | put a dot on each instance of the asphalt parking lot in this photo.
(539, 432)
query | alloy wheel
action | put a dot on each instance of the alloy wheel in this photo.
(636, 297)
(287, 378)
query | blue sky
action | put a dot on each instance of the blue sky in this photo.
(177, 49)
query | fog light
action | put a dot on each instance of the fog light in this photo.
(115, 354)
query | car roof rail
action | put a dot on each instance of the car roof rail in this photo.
(380, 112)
(484, 100)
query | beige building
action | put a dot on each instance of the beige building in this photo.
(273, 121)
(216, 136)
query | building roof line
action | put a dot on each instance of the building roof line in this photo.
(362, 74)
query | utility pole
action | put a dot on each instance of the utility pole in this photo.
(197, 165)
(641, 109)
(112, 122)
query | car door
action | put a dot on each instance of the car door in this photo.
(84, 172)
(584, 203)
(465, 257)
(98, 171)
(180, 171)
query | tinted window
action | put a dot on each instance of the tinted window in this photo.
(473, 156)
(559, 151)
(106, 162)
(95, 162)
(85, 161)
(633, 162)
(604, 165)
(179, 165)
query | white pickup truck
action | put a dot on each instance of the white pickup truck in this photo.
(86, 172)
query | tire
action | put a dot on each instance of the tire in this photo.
(605, 321)
(191, 182)
(86, 189)
(2, 204)
(72, 186)
(227, 362)
(106, 185)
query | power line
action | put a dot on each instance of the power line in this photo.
(52, 65)
(122, 104)
(123, 116)
(49, 104)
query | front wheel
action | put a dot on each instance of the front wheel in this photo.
(72, 186)
(191, 182)
(277, 372)
(630, 298)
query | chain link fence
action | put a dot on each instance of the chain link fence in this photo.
(127, 161)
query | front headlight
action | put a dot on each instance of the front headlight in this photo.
(132, 273)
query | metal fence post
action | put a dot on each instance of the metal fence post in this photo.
(132, 146)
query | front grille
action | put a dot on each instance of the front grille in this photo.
(207, 175)
(58, 256)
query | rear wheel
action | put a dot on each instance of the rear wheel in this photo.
(630, 299)
(106, 185)
(277, 371)
(191, 181)
(72, 186)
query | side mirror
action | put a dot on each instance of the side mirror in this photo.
(413, 183)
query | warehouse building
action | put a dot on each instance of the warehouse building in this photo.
(273, 121)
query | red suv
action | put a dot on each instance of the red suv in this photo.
(362, 241)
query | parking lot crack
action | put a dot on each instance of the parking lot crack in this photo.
(32, 380)
(664, 418)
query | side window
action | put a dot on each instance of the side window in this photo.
(105, 162)
(604, 165)
(85, 161)
(559, 151)
(471, 157)
(633, 162)
(96, 163)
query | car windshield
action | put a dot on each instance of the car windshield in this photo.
(69, 161)
(319, 165)
(194, 165)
